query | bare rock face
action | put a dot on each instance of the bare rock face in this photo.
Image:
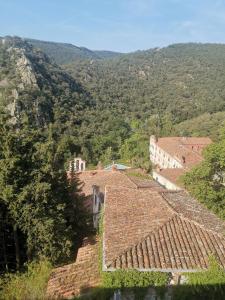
(23, 67)
(4, 83)
(32, 86)
(13, 109)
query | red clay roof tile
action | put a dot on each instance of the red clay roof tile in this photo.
(77, 278)
(167, 231)
(188, 147)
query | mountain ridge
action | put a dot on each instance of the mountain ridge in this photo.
(63, 53)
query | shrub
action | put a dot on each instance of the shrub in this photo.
(30, 285)
(203, 285)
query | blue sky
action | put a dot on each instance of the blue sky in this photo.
(119, 25)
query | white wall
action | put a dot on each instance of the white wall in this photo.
(161, 158)
(165, 182)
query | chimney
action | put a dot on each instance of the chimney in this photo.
(100, 166)
(96, 189)
(153, 139)
(114, 168)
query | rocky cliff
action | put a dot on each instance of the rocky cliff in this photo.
(30, 84)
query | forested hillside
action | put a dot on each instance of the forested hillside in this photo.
(183, 80)
(111, 106)
(204, 125)
(63, 53)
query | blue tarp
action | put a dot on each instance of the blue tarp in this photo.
(119, 167)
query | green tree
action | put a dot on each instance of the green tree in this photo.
(206, 181)
(45, 208)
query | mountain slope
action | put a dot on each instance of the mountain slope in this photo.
(111, 106)
(30, 83)
(182, 80)
(63, 53)
(203, 125)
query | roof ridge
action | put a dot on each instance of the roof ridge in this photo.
(201, 226)
(189, 219)
(190, 150)
(176, 215)
(131, 181)
(142, 240)
(167, 202)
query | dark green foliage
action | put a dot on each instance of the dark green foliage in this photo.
(184, 80)
(40, 202)
(159, 88)
(42, 214)
(30, 83)
(205, 125)
(206, 181)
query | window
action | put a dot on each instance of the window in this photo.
(117, 295)
(77, 165)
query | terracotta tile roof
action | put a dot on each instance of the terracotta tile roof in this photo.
(102, 178)
(172, 174)
(77, 278)
(146, 183)
(187, 207)
(178, 245)
(188, 147)
(135, 213)
(167, 231)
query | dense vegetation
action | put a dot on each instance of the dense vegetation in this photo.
(31, 83)
(41, 211)
(183, 80)
(206, 285)
(204, 125)
(63, 53)
(29, 285)
(207, 181)
(177, 90)
(40, 208)
(113, 105)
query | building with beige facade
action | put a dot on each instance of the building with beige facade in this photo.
(173, 156)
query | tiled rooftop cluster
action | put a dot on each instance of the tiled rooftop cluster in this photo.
(166, 231)
(145, 227)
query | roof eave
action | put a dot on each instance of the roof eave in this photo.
(169, 270)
